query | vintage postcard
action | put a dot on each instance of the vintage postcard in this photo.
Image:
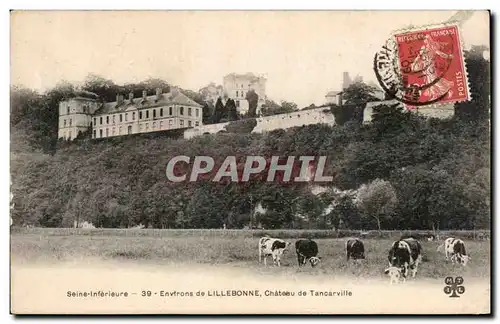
(250, 162)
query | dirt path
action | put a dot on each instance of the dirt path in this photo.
(44, 289)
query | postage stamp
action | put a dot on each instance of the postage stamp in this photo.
(428, 66)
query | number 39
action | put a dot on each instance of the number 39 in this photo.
(146, 293)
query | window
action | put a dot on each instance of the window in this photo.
(196, 123)
(100, 121)
(170, 111)
(113, 119)
(133, 115)
(120, 131)
(70, 122)
(129, 129)
(242, 86)
(126, 116)
(181, 111)
(154, 125)
(140, 115)
(242, 94)
(65, 123)
(154, 113)
(197, 112)
(189, 123)
(170, 122)
(237, 93)
(161, 112)
(141, 127)
(121, 118)
(100, 133)
(107, 119)
(147, 113)
(69, 135)
(68, 110)
(107, 132)
(182, 122)
(189, 111)
(237, 103)
(147, 126)
(161, 124)
(113, 131)
(94, 121)
(95, 133)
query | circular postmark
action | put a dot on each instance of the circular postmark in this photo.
(412, 70)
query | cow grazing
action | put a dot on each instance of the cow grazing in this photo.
(395, 274)
(355, 249)
(307, 250)
(455, 248)
(406, 254)
(274, 247)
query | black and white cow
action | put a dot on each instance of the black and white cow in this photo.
(355, 249)
(274, 247)
(307, 250)
(455, 248)
(406, 254)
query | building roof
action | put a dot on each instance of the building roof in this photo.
(165, 99)
(332, 93)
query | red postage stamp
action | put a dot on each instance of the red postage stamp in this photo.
(432, 66)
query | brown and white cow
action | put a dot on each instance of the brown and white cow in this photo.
(406, 254)
(455, 249)
(274, 247)
(354, 249)
(307, 250)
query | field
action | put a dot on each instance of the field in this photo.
(226, 254)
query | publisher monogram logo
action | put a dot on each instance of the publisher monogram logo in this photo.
(454, 287)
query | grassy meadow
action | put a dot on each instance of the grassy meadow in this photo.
(229, 248)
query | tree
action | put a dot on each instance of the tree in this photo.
(377, 200)
(219, 111)
(253, 99)
(359, 92)
(232, 113)
(478, 69)
(208, 111)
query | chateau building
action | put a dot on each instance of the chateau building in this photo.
(149, 113)
(236, 87)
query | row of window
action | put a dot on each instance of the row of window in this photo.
(242, 94)
(146, 115)
(85, 109)
(141, 128)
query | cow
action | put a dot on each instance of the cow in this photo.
(395, 275)
(307, 250)
(455, 248)
(355, 249)
(406, 254)
(274, 247)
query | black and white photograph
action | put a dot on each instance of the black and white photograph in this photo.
(270, 162)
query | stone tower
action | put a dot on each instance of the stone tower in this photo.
(75, 114)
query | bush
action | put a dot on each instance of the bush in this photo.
(244, 126)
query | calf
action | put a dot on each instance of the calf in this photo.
(456, 249)
(307, 250)
(354, 249)
(395, 275)
(274, 247)
(406, 254)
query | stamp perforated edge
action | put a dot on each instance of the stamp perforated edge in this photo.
(454, 23)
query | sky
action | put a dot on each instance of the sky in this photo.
(301, 53)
